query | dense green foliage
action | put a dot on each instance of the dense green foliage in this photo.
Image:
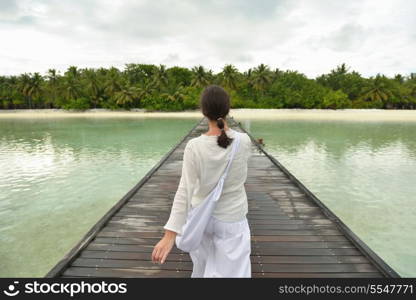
(160, 88)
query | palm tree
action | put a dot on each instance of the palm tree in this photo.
(177, 96)
(53, 87)
(52, 75)
(113, 84)
(126, 95)
(399, 78)
(133, 73)
(342, 69)
(31, 86)
(93, 86)
(261, 77)
(229, 76)
(248, 74)
(146, 91)
(276, 74)
(72, 72)
(160, 78)
(411, 86)
(24, 81)
(7, 89)
(377, 91)
(36, 88)
(71, 88)
(200, 78)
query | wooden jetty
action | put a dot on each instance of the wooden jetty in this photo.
(293, 233)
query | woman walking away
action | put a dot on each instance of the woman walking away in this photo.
(224, 243)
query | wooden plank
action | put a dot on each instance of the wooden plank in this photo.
(137, 256)
(284, 249)
(297, 238)
(123, 273)
(187, 266)
(131, 264)
(308, 244)
(252, 222)
(267, 244)
(262, 230)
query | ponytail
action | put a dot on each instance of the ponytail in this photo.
(223, 139)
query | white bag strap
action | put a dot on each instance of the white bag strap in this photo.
(233, 151)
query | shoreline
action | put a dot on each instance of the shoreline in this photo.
(243, 113)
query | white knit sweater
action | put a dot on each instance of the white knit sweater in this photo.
(203, 164)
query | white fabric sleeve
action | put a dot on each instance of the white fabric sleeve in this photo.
(184, 193)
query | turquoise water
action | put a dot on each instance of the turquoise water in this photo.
(59, 176)
(365, 172)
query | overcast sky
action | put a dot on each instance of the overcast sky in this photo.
(311, 36)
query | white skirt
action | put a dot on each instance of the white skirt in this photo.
(224, 251)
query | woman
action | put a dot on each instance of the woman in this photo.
(226, 245)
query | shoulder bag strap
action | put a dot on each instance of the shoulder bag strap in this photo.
(235, 145)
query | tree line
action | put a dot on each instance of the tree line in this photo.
(155, 87)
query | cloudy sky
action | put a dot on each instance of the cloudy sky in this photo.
(311, 36)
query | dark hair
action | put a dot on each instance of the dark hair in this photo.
(215, 105)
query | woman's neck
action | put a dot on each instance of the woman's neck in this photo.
(214, 129)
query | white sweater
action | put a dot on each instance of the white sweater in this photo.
(203, 164)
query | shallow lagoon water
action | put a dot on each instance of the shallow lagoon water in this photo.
(58, 176)
(365, 172)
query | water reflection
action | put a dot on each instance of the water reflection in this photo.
(364, 172)
(59, 176)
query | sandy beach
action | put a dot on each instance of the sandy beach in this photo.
(243, 113)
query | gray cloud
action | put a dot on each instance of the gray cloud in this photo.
(350, 37)
(8, 7)
(310, 36)
(171, 58)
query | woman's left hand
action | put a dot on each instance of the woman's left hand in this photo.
(163, 247)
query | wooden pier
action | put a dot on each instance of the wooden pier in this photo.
(293, 233)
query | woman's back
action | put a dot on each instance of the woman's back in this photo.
(211, 161)
(203, 164)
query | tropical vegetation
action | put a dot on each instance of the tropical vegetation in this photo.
(176, 88)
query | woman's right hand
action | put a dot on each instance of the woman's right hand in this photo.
(163, 247)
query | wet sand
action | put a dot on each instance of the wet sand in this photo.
(243, 113)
